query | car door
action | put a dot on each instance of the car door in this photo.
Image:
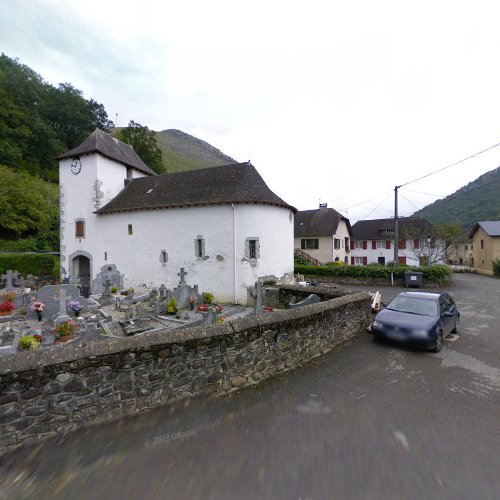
(447, 321)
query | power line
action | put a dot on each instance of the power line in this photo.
(410, 202)
(377, 207)
(428, 194)
(452, 165)
(363, 203)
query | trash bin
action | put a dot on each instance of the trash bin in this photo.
(413, 279)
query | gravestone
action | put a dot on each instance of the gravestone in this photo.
(184, 291)
(310, 299)
(107, 272)
(50, 296)
(10, 277)
(62, 317)
(163, 293)
(107, 298)
(258, 309)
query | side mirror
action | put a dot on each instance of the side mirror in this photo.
(448, 314)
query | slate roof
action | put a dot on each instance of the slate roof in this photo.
(372, 229)
(237, 183)
(320, 222)
(492, 228)
(107, 145)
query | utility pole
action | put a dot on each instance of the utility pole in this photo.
(396, 225)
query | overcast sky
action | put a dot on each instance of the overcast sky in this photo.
(333, 102)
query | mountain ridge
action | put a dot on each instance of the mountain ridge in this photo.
(478, 200)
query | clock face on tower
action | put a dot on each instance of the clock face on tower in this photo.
(76, 166)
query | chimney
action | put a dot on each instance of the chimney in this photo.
(322, 206)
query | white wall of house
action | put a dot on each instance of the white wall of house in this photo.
(326, 251)
(225, 268)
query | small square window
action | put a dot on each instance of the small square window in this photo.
(199, 247)
(80, 229)
(130, 230)
(252, 249)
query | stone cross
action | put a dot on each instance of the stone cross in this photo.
(163, 293)
(9, 278)
(62, 317)
(182, 275)
(62, 302)
(259, 310)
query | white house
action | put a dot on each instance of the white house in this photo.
(373, 242)
(323, 234)
(223, 225)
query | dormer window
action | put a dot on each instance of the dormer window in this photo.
(387, 231)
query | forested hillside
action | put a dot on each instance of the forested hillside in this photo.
(478, 200)
(37, 122)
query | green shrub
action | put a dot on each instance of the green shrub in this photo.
(208, 298)
(496, 267)
(29, 342)
(335, 263)
(301, 260)
(172, 306)
(436, 273)
(114, 289)
(30, 263)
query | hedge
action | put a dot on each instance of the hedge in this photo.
(431, 273)
(28, 263)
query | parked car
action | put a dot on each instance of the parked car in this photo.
(419, 318)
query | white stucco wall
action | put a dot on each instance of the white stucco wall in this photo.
(373, 254)
(78, 198)
(225, 272)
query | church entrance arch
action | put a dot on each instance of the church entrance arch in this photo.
(81, 269)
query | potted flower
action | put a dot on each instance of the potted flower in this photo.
(38, 308)
(192, 301)
(8, 296)
(217, 309)
(30, 342)
(172, 307)
(202, 308)
(75, 307)
(208, 298)
(6, 307)
(65, 331)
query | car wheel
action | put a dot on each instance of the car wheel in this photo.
(455, 329)
(439, 343)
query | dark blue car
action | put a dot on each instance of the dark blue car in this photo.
(417, 318)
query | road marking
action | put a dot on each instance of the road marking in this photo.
(401, 438)
(313, 408)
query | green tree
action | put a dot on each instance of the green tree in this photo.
(144, 143)
(28, 206)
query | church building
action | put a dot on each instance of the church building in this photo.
(223, 225)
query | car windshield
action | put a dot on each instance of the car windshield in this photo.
(413, 305)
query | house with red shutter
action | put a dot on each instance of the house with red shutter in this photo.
(373, 242)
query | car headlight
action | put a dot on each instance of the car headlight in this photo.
(377, 324)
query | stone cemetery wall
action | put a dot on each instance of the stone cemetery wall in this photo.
(49, 391)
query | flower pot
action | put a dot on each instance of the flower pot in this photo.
(191, 306)
(77, 313)
(65, 338)
(4, 313)
(39, 315)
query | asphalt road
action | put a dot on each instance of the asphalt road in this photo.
(366, 421)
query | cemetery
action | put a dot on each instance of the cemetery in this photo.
(67, 360)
